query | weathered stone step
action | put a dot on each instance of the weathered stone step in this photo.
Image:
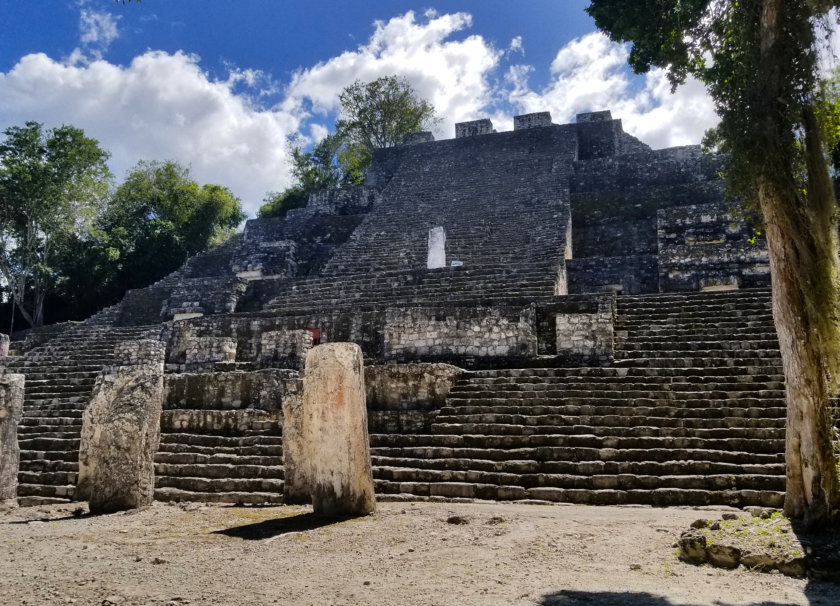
(206, 470)
(34, 432)
(606, 430)
(201, 484)
(245, 451)
(589, 482)
(640, 381)
(32, 501)
(698, 359)
(40, 465)
(724, 410)
(655, 468)
(50, 443)
(699, 402)
(672, 391)
(739, 346)
(43, 490)
(47, 477)
(69, 456)
(440, 450)
(36, 421)
(259, 439)
(176, 495)
(451, 416)
(193, 458)
(658, 497)
(696, 373)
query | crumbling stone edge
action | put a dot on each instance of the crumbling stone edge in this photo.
(696, 548)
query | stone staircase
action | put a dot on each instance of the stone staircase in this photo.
(691, 412)
(238, 458)
(416, 287)
(60, 376)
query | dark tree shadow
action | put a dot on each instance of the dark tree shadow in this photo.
(622, 598)
(272, 528)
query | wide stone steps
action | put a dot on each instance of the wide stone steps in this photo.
(454, 416)
(764, 360)
(660, 497)
(215, 467)
(610, 432)
(176, 495)
(617, 402)
(600, 481)
(520, 466)
(456, 448)
(771, 415)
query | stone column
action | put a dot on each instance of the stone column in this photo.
(335, 431)
(121, 432)
(11, 411)
(4, 345)
(295, 484)
(437, 248)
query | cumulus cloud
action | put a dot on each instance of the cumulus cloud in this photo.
(452, 74)
(161, 106)
(590, 73)
(97, 30)
(164, 106)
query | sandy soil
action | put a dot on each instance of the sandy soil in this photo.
(407, 553)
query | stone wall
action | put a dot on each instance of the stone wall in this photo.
(405, 398)
(284, 348)
(428, 333)
(627, 274)
(577, 328)
(706, 246)
(261, 390)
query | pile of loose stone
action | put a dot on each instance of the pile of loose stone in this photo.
(763, 540)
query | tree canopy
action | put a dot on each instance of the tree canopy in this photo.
(52, 184)
(372, 115)
(758, 60)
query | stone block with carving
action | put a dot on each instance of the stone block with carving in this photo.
(11, 411)
(336, 446)
(120, 436)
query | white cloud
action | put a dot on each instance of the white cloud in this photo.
(97, 30)
(590, 73)
(164, 106)
(161, 106)
(452, 74)
(516, 46)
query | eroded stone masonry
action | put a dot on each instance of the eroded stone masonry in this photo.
(555, 312)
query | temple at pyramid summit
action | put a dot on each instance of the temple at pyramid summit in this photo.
(556, 313)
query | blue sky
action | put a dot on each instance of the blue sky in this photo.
(219, 85)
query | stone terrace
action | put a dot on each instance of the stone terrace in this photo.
(638, 387)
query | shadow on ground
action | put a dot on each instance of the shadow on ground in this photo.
(817, 593)
(272, 528)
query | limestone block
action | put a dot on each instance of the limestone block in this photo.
(4, 345)
(336, 445)
(120, 436)
(11, 411)
(295, 484)
(437, 248)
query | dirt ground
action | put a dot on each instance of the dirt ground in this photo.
(405, 554)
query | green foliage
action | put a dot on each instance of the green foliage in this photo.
(376, 114)
(380, 113)
(277, 204)
(52, 185)
(159, 217)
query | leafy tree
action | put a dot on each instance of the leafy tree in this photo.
(380, 113)
(277, 204)
(374, 114)
(51, 186)
(758, 59)
(159, 217)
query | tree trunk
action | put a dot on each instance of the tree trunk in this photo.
(802, 242)
(811, 491)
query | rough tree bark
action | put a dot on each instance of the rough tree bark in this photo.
(802, 240)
